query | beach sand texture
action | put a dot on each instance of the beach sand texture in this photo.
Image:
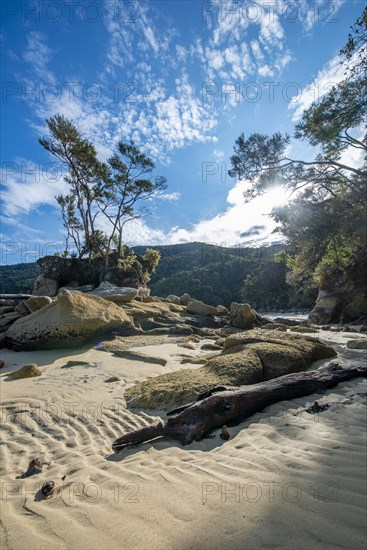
(285, 478)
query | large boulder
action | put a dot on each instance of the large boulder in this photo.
(45, 286)
(327, 309)
(336, 305)
(247, 358)
(115, 294)
(8, 319)
(242, 316)
(356, 305)
(131, 278)
(21, 309)
(73, 319)
(280, 353)
(200, 308)
(35, 303)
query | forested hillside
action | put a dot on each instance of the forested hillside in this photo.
(18, 278)
(214, 274)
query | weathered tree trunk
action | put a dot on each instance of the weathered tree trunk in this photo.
(191, 422)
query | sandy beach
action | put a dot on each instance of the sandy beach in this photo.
(284, 479)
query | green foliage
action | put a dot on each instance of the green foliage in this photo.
(325, 225)
(150, 261)
(111, 189)
(217, 275)
(207, 272)
(126, 264)
(18, 278)
(85, 178)
(356, 40)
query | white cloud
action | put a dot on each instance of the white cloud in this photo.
(229, 53)
(28, 185)
(227, 227)
(331, 74)
(238, 218)
(218, 154)
(38, 54)
(170, 197)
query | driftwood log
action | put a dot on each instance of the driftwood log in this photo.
(222, 406)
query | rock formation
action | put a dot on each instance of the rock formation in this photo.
(72, 319)
(247, 358)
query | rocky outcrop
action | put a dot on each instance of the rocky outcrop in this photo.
(334, 306)
(247, 358)
(45, 286)
(200, 308)
(132, 278)
(242, 316)
(174, 299)
(37, 302)
(72, 319)
(115, 294)
(185, 299)
(222, 310)
(69, 272)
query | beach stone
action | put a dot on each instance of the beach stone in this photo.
(71, 364)
(242, 315)
(6, 309)
(357, 344)
(199, 308)
(82, 288)
(8, 319)
(7, 302)
(174, 299)
(211, 346)
(28, 371)
(45, 286)
(222, 310)
(148, 299)
(113, 379)
(286, 321)
(72, 319)
(114, 293)
(185, 299)
(305, 329)
(184, 330)
(2, 364)
(21, 309)
(275, 326)
(37, 302)
(247, 358)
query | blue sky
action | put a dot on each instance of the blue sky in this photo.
(182, 79)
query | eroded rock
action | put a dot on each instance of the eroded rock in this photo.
(247, 358)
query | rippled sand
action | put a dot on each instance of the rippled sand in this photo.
(285, 479)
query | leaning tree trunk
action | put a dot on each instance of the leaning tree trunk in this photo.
(191, 422)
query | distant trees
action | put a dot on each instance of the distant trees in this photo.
(326, 223)
(110, 189)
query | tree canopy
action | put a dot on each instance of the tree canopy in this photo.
(325, 224)
(108, 191)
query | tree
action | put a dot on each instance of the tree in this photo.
(126, 187)
(325, 225)
(86, 177)
(113, 188)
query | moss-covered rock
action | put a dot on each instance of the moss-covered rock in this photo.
(28, 371)
(247, 358)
